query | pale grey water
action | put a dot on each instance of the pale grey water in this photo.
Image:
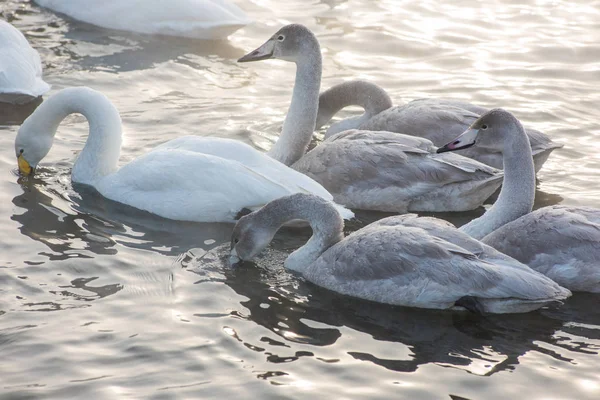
(100, 301)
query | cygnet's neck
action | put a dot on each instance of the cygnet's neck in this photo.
(372, 98)
(326, 223)
(102, 148)
(518, 189)
(299, 123)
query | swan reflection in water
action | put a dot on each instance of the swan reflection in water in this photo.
(15, 114)
(82, 223)
(79, 228)
(101, 49)
(296, 311)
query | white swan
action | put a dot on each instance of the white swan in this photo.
(439, 120)
(199, 19)
(20, 68)
(402, 260)
(561, 242)
(368, 170)
(190, 178)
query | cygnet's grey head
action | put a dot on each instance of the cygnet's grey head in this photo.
(251, 235)
(488, 131)
(289, 43)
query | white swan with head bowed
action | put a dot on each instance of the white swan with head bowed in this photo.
(20, 68)
(402, 260)
(190, 178)
(198, 19)
(439, 120)
(561, 242)
(382, 171)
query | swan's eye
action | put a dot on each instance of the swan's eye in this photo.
(21, 151)
(484, 127)
(236, 241)
(281, 38)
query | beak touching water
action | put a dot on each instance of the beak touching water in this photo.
(464, 141)
(264, 52)
(234, 260)
(24, 166)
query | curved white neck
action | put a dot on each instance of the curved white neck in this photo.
(101, 152)
(326, 223)
(518, 189)
(299, 123)
(372, 98)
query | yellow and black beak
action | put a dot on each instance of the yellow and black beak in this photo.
(24, 166)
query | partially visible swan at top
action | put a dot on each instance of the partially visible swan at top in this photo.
(382, 171)
(190, 178)
(562, 242)
(439, 120)
(402, 260)
(20, 68)
(198, 19)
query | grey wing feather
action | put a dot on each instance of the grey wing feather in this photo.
(393, 172)
(384, 159)
(561, 242)
(438, 123)
(551, 230)
(475, 109)
(422, 267)
(412, 143)
(442, 120)
(448, 232)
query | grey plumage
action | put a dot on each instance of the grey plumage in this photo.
(561, 242)
(372, 98)
(386, 171)
(377, 171)
(439, 120)
(403, 260)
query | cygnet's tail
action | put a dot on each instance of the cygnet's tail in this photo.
(344, 212)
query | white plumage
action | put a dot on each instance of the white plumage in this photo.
(199, 19)
(20, 67)
(190, 178)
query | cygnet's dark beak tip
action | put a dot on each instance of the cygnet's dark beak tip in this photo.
(235, 261)
(255, 55)
(442, 149)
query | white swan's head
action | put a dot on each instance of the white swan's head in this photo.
(251, 235)
(488, 131)
(32, 144)
(290, 43)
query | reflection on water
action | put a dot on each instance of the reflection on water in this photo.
(77, 290)
(83, 223)
(299, 312)
(147, 308)
(118, 51)
(15, 114)
(48, 218)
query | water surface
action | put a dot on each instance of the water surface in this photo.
(101, 301)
